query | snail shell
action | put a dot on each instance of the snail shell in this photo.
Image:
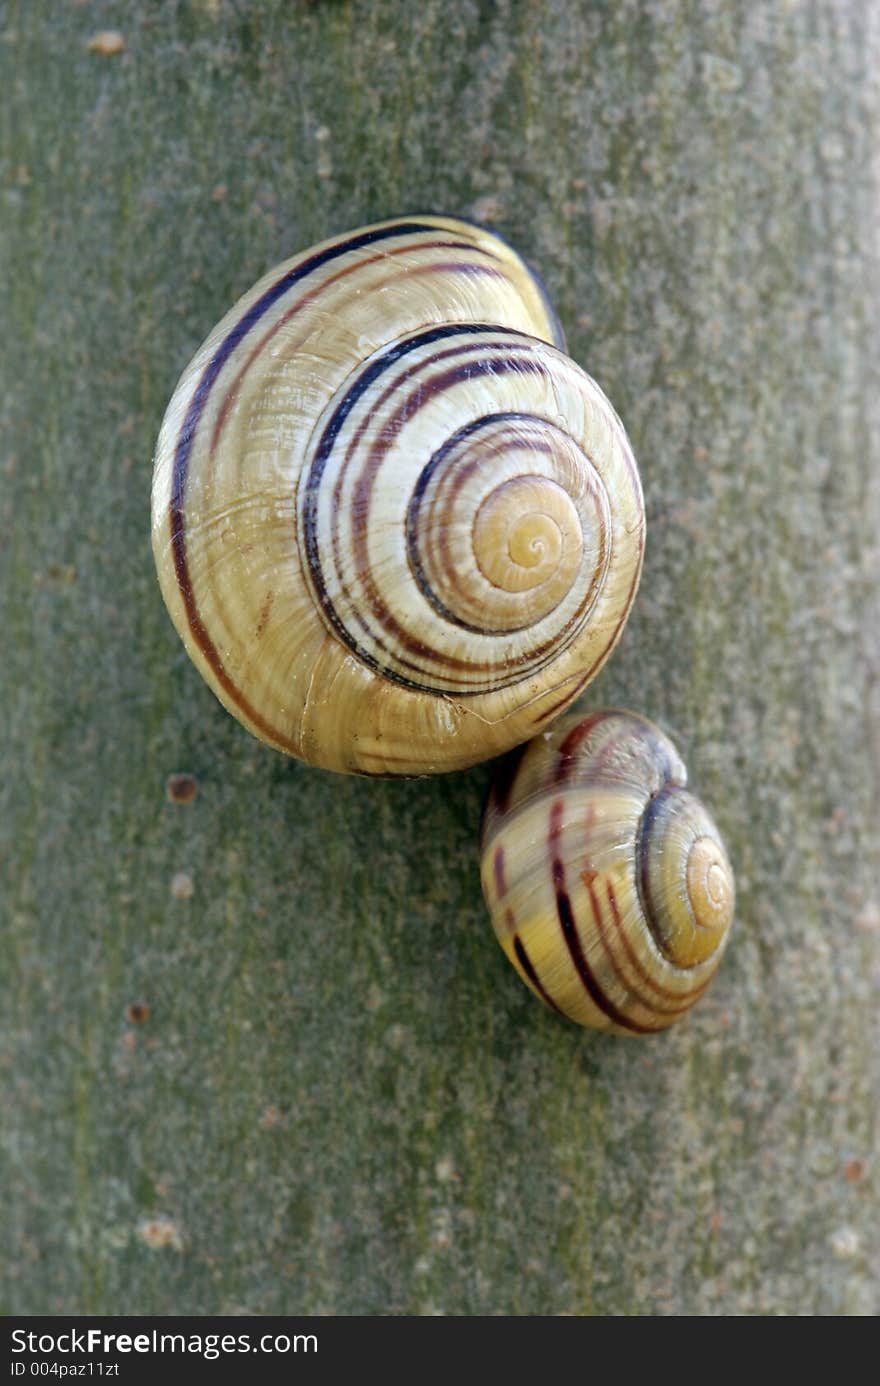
(608, 885)
(396, 527)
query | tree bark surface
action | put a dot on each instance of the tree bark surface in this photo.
(260, 1052)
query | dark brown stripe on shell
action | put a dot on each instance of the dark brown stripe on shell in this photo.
(572, 938)
(684, 1001)
(643, 875)
(209, 650)
(652, 1007)
(568, 751)
(505, 779)
(528, 969)
(498, 868)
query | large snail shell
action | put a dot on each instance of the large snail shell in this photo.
(396, 527)
(608, 885)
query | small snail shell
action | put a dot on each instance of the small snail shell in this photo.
(608, 885)
(396, 527)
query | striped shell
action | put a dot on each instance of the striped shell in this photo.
(608, 885)
(396, 527)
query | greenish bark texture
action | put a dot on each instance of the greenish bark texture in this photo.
(260, 1052)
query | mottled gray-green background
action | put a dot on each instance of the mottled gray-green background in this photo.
(342, 1099)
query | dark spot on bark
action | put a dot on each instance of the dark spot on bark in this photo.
(181, 788)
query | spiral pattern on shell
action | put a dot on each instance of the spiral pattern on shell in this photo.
(397, 528)
(607, 882)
